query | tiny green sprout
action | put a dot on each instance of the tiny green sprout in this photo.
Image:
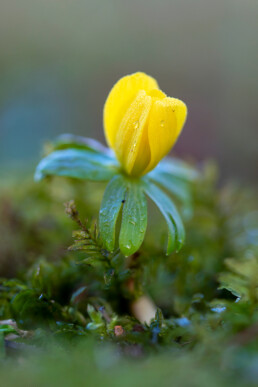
(141, 125)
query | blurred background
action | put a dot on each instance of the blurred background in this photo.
(59, 59)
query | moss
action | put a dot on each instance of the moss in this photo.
(70, 308)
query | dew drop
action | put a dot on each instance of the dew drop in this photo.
(162, 123)
(136, 124)
(133, 147)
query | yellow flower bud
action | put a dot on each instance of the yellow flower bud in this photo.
(141, 123)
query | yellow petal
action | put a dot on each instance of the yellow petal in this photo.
(120, 98)
(132, 134)
(166, 120)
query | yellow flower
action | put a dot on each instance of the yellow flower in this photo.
(141, 123)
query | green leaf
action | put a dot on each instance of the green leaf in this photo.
(176, 233)
(97, 323)
(177, 168)
(233, 284)
(178, 187)
(247, 268)
(65, 141)
(5, 328)
(243, 279)
(112, 201)
(94, 314)
(134, 220)
(76, 163)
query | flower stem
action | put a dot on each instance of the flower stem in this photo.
(144, 309)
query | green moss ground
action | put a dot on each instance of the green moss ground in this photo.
(67, 303)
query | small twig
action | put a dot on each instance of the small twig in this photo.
(72, 212)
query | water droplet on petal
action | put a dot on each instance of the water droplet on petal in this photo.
(162, 123)
(136, 124)
(133, 147)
